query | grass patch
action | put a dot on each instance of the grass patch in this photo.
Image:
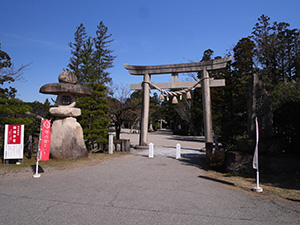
(275, 187)
(284, 187)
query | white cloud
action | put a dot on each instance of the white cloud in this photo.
(37, 42)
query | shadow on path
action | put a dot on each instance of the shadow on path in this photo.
(187, 139)
(217, 180)
(191, 159)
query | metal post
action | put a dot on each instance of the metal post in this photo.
(145, 111)
(207, 111)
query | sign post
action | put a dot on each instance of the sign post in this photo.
(44, 144)
(14, 142)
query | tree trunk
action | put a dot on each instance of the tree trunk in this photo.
(118, 131)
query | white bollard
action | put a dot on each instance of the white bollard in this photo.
(178, 151)
(110, 142)
(151, 150)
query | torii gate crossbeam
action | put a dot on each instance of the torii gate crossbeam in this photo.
(200, 67)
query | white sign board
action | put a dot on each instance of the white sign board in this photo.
(14, 142)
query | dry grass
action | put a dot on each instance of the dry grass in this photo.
(27, 168)
(276, 187)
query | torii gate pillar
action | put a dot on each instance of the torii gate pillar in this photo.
(145, 111)
(208, 130)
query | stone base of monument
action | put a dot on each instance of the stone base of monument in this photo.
(67, 139)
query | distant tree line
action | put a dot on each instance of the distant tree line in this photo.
(272, 51)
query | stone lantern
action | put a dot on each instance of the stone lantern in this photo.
(67, 136)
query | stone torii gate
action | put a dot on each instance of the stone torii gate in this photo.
(205, 82)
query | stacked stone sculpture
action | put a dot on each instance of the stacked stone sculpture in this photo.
(67, 136)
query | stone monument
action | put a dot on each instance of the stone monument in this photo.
(67, 136)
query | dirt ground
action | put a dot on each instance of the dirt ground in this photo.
(28, 168)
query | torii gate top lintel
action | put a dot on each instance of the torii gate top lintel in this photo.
(178, 68)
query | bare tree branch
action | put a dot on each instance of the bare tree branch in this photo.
(121, 92)
(12, 73)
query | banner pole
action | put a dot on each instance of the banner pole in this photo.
(257, 188)
(255, 160)
(257, 179)
(37, 175)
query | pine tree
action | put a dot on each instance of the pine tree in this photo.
(80, 38)
(102, 54)
(278, 57)
(277, 50)
(90, 62)
(12, 110)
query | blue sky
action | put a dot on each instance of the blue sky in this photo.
(151, 32)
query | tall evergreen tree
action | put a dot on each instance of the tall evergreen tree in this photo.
(80, 37)
(277, 50)
(91, 57)
(229, 103)
(278, 57)
(103, 54)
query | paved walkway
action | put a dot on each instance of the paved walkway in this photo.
(170, 151)
(136, 189)
(164, 138)
(165, 144)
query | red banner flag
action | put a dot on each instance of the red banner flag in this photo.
(45, 140)
(255, 157)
